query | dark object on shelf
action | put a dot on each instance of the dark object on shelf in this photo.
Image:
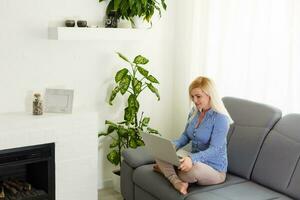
(111, 20)
(70, 23)
(82, 23)
(37, 105)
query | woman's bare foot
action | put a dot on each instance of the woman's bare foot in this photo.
(156, 168)
(181, 186)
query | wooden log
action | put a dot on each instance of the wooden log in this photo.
(26, 186)
(9, 188)
(14, 184)
(2, 194)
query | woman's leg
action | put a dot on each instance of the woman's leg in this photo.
(169, 172)
(203, 175)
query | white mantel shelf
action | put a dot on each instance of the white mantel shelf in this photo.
(76, 33)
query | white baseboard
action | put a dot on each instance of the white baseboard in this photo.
(105, 184)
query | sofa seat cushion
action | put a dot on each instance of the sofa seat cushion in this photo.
(159, 187)
(241, 191)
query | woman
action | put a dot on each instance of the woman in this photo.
(207, 129)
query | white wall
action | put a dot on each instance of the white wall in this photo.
(29, 62)
(186, 36)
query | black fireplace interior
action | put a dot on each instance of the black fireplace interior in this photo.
(28, 173)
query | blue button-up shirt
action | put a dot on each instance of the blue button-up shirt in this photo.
(209, 139)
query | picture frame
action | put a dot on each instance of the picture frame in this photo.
(58, 100)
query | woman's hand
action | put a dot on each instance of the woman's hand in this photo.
(186, 164)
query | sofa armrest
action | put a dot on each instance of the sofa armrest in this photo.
(137, 157)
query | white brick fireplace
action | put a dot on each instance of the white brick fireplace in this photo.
(75, 138)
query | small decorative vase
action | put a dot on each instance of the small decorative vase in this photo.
(37, 105)
(111, 20)
(70, 23)
(82, 23)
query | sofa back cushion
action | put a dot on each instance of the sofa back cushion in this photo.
(252, 122)
(278, 165)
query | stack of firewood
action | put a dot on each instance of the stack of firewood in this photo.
(14, 189)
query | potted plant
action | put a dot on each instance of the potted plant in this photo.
(133, 9)
(132, 81)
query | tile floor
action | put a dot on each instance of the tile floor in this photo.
(109, 194)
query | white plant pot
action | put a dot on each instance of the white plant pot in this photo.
(116, 181)
(124, 23)
(140, 23)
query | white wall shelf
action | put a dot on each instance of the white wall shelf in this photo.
(75, 33)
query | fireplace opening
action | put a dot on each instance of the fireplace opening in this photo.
(28, 173)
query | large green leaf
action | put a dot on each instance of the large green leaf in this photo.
(152, 79)
(142, 71)
(123, 57)
(144, 2)
(154, 90)
(137, 85)
(140, 142)
(103, 134)
(120, 74)
(124, 84)
(133, 103)
(114, 157)
(131, 132)
(140, 60)
(131, 2)
(122, 132)
(109, 7)
(116, 4)
(107, 122)
(113, 94)
(129, 114)
(111, 128)
(114, 144)
(133, 143)
(146, 121)
(164, 5)
(153, 131)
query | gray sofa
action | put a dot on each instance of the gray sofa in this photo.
(263, 155)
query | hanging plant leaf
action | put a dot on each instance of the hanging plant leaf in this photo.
(120, 74)
(140, 60)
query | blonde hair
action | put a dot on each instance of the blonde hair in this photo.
(208, 87)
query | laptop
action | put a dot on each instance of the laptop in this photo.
(163, 149)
